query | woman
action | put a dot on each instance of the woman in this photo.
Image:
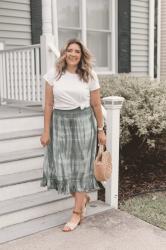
(72, 122)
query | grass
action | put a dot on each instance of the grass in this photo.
(149, 207)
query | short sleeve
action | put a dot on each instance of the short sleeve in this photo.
(94, 83)
(50, 76)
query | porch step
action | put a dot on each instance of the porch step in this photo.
(22, 122)
(32, 209)
(19, 140)
(28, 201)
(22, 177)
(19, 134)
(20, 155)
(34, 212)
(24, 182)
(47, 221)
(21, 165)
(19, 190)
(19, 110)
(20, 184)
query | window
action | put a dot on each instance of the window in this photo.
(69, 23)
(92, 22)
(99, 31)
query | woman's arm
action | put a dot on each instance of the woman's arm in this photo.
(95, 102)
(49, 101)
(96, 105)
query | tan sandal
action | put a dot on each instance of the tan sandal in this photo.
(84, 208)
(72, 225)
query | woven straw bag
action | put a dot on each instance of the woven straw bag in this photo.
(103, 165)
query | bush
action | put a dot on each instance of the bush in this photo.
(143, 114)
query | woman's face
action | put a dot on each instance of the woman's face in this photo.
(73, 54)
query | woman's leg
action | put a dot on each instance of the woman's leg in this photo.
(73, 194)
(80, 198)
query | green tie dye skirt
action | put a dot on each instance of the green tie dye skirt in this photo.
(68, 158)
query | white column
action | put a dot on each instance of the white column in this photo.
(46, 17)
(158, 38)
(55, 22)
(2, 45)
(151, 37)
(47, 36)
(47, 57)
(113, 105)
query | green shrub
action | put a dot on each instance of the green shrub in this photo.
(143, 114)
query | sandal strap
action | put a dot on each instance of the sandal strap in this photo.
(87, 199)
(77, 212)
(70, 225)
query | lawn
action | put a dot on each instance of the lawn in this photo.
(150, 207)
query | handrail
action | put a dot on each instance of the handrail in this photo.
(20, 74)
(21, 48)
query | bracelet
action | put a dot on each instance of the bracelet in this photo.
(100, 129)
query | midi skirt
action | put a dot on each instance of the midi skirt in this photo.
(68, 159)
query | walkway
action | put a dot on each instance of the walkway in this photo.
(111, 230)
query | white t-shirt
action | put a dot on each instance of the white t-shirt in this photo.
(69, 91)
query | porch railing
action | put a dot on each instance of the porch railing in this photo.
(20, 74)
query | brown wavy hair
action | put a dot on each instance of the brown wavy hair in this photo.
(84, 67)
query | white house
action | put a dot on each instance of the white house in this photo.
(162, 35)
(123, 35)
(120, 33)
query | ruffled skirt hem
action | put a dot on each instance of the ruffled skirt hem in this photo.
(70, 185)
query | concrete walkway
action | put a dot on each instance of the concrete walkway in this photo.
(111, 230)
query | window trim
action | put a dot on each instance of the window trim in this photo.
(69, 28)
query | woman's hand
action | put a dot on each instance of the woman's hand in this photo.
(45, 139)
(101, 137)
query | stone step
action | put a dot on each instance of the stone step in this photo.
(47, 221)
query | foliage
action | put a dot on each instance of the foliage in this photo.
(143, 114)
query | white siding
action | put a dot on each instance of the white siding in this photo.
(163, 40)
(139, 37)
(15, 23)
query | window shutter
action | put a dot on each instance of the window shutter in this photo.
(36, 20)
(124, 38)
